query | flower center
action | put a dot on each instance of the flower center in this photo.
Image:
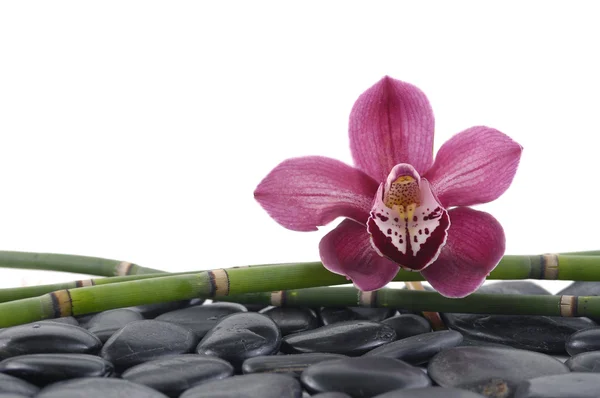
(404, 196)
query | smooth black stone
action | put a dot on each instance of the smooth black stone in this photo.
(363, 377)
(571, 385)
(96, 387)
(430, 392)
(13, 385)
(350, 338)
(201, 318)
(469, 342)
(143, 341)
(107, 323)
(151, 311)
(292, 364)
(418, 349)
(581, 289)
(330, 315)
(11, 395)
(495, 371)
(47, 337)
(583, 341)
(536, 333)
(331, 394)
(68, 320)
(174, 375)
(42, 369)
(407, 325)
(241, 336)
(292, 320)
(585, 362)
(248, 386)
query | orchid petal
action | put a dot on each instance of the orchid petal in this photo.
(474, 247)
(412, 243)
(390, 123)
(475, 166)
(304, 193)
(346, 250)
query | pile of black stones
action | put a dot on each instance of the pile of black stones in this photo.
(200, 349)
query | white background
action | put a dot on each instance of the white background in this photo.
(138, 130)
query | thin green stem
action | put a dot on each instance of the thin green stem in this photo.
(70, 263)
(414, 300)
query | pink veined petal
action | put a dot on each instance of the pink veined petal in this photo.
(390, 123)
(304, 193)
(474, 247)
(346, 250)
(474, 166)
(413, 244)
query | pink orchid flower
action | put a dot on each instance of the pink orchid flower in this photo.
(402, 209)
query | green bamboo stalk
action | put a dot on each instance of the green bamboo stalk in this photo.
(71, 263)
(415, 300)
(512, 267)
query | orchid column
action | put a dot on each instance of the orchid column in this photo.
(402, 208)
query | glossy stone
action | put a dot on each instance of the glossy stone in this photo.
(431, 392)
(107, 323)
(42, 369)
(330, 315)
(47, 337)
(13, 385)
(248, 386)
(174, 375)
(406, 325)
(69, 320)
(292, 320)
(418, 349)
(331, 394)
(583, 341)
(201, 318)
(513, 287)
(536, 333)
(585, 362)
(363, 377)
(241, 336)
(151, 311)
(350, 338)
(94, 387)
(293, 364)
(143, 341)
(571, 385)
(495, 370)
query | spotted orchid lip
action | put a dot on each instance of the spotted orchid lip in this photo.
(413, 241)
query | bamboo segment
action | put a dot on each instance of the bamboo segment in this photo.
(414, 300)
(70, 263)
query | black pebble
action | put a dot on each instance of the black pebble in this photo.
(173, 375)
(47, 337)
(42, 369)
(241, 336)
(583, 341)
(201, 318)
(292, 364)
(248, 386)
(570, 385)
(418, 349)
(407, 325)
(363, 377)
(94, 387)
(585, 362)
(292, 320)
(107, 323)
(143, 341)
(350, 338)
(13, 385)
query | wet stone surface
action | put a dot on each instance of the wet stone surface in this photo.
(222, 350)
(490, 370)
(143, 341)
(537, 333)
(369, 375)
(350, 338)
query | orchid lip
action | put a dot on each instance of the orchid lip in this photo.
(407, 224)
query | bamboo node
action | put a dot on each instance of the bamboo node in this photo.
(123, 268)
(568, 305)
(550, 266)
(367, 299)
(277, 298)
(220, 281)
(62, 305)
